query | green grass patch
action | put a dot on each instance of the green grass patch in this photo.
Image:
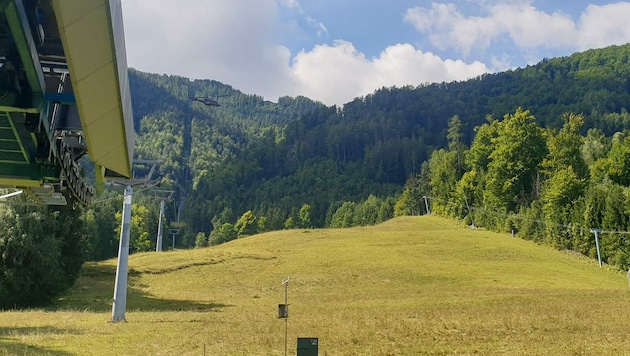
(412, 285)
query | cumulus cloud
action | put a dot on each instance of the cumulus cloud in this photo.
(604, 25)
(209, 39)
(201, 32)
(337, 74)
(523, 24)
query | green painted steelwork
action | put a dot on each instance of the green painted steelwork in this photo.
(23, 38)
(64, 95)
(11, 146)
(34, 172)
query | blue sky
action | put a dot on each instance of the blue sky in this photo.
(336, 50)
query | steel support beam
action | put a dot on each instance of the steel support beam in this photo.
(158, 244)
(122, 269)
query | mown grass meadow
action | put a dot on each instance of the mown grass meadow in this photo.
(410, 286)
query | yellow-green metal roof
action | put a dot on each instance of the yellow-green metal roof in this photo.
(93, 40)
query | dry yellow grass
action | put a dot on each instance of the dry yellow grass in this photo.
(410, 286)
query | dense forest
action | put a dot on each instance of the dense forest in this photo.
(553, 186)
(542, 151)
(271, 159)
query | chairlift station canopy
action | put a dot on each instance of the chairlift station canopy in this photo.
(64, 93)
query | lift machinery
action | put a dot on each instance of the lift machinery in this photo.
(64, 95)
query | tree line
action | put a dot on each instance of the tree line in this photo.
(546, 185)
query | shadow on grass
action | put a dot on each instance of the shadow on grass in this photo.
(95, 287)
(11, 347)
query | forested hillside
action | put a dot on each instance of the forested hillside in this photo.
(272, 159)
(543, 151)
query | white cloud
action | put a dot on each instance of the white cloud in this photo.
(531, 28)
(337, 74)
(208, 39)
(331, 74)
(604, 25)
(526, 27)
(448, 27)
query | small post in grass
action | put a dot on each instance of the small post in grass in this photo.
(283, 313)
